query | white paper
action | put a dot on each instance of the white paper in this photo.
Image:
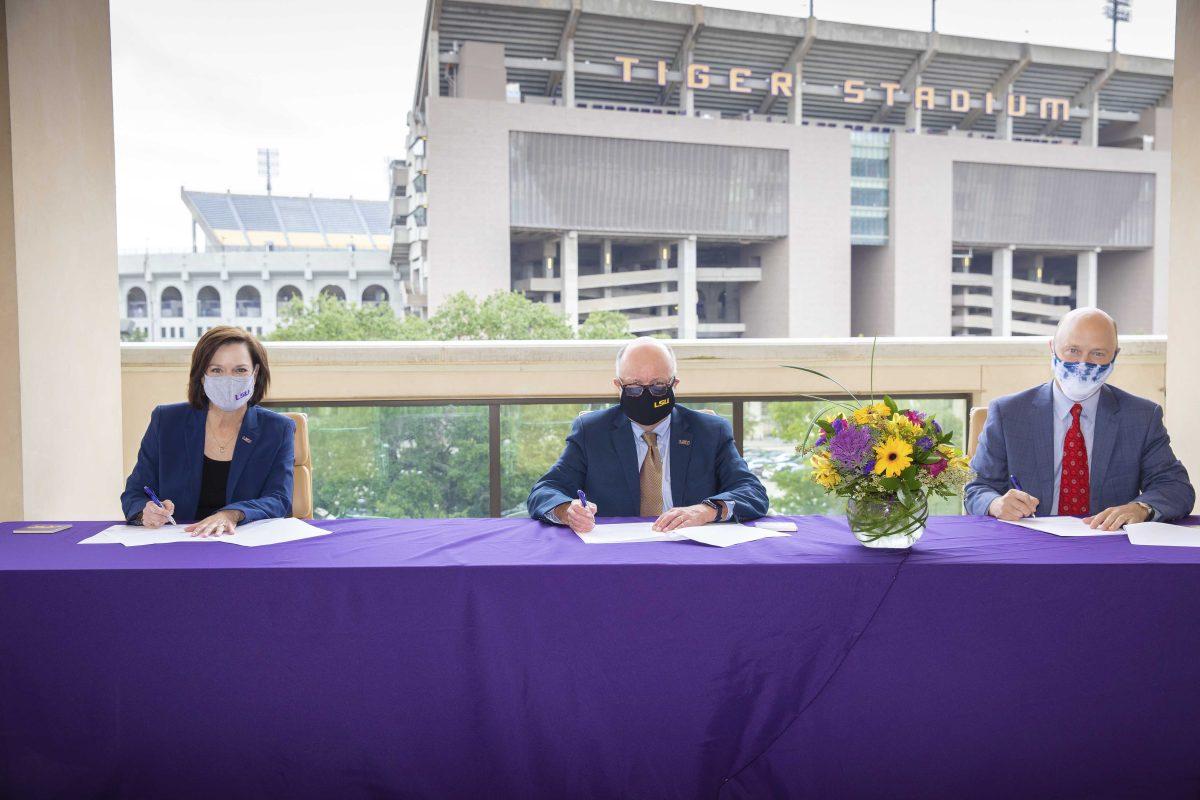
(728, 535)
(627, 532)
(252, 534)
(782, 525)
(1162, 534)
(717, 535)
(1061, 526)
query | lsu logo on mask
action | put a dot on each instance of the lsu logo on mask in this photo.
(662, 402)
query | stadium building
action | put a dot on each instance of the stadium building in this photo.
(712, 172)
(260, 251)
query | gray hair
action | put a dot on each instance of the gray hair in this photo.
(647, 340)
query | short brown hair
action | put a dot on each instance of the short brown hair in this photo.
(212, 341)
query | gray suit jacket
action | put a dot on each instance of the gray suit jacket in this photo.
(1131, 456)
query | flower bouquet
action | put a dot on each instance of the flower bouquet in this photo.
(887, 463)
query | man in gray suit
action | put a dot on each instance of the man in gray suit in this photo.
(1077, 447)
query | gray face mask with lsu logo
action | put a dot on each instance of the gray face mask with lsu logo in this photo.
(229, 392)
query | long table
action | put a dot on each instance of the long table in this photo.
(505, 658)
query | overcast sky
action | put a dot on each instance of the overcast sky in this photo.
(199, 85)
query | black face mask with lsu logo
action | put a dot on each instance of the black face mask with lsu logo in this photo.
(647, 409)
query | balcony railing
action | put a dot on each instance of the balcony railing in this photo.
(464, 428)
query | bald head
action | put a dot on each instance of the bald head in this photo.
(645, 360)
(1086, 334)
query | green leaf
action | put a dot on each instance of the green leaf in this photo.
(890, 484)
(891, 404)
(827, 428)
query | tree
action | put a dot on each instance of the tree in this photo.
(605, 325)
(330, 319)
(501, 316)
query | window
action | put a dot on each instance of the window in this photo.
(248, 302)
(419, 182)
(135, 303)
(171, 302)
(419, 215)
(287, 294)
(374, 295)
(208, 302)
(334, 292)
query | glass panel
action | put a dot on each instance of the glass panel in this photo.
(773, 430)
(399, 461)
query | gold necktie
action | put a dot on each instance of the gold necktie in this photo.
(651, 483)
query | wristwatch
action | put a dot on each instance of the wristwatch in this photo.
(715, 506)
(1149, 510)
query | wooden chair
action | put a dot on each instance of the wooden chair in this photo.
(302, 491)
(975, 428)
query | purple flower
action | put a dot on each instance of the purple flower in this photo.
(937, 467)
(868, 467)
(937, 428)
(839, 425)
(925, 443)
(851, 445)
(915, 417)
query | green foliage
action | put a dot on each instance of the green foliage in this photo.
(605, 325)
(330, 319)
(134, 335)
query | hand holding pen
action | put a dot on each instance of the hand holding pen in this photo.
(581, 515)
(157, 513)
(1014, 504)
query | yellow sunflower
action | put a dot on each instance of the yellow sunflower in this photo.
(872, 413)
(892, 457)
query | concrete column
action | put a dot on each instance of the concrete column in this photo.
(60, 385)
(1183, 323)
(568, 78)
(796, 105)
(606, 265)
(912, 113)
(1004, 126)
(1090, 127)
(433, 68)
(1087, 278)
(1002, 269)
(688, 320)
(570, 273)
(687, 97)
(663, 261)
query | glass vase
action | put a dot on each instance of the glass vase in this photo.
(885, 522)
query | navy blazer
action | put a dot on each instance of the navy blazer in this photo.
(1131, 456)
(171, 460)
(601, 458)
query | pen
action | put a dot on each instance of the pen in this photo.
(150, 493)
(582, 497)
(1016, 484)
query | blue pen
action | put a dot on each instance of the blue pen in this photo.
(582, 498)
(150, 493)
(1016, 484)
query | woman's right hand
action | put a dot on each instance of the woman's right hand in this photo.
(155, 516)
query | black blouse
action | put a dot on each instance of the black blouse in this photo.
(213, 481)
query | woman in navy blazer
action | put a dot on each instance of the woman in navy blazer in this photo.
(219, 459)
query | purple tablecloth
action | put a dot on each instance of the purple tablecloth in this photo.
(505, 658)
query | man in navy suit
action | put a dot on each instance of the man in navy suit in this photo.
(648, 457)
(1076, 446)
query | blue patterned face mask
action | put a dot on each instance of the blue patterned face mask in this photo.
(1079, 380)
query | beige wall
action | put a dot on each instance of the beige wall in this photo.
(1183, 371)
(922, 217)
(468, 204)
(447, 371)
(60, 378)
(1123, 277)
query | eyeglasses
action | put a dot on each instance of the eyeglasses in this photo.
(656, 389)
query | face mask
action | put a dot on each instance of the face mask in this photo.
(647, 409)
(228, 392)
(1080, 380)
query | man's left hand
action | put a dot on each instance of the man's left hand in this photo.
(1115, 518)
(686, 517)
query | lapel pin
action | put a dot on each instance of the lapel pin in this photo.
(246, 439)
(685, 442)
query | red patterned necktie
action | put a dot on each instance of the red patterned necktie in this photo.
(1074, 492)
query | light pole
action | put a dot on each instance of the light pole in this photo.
(268, 164)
